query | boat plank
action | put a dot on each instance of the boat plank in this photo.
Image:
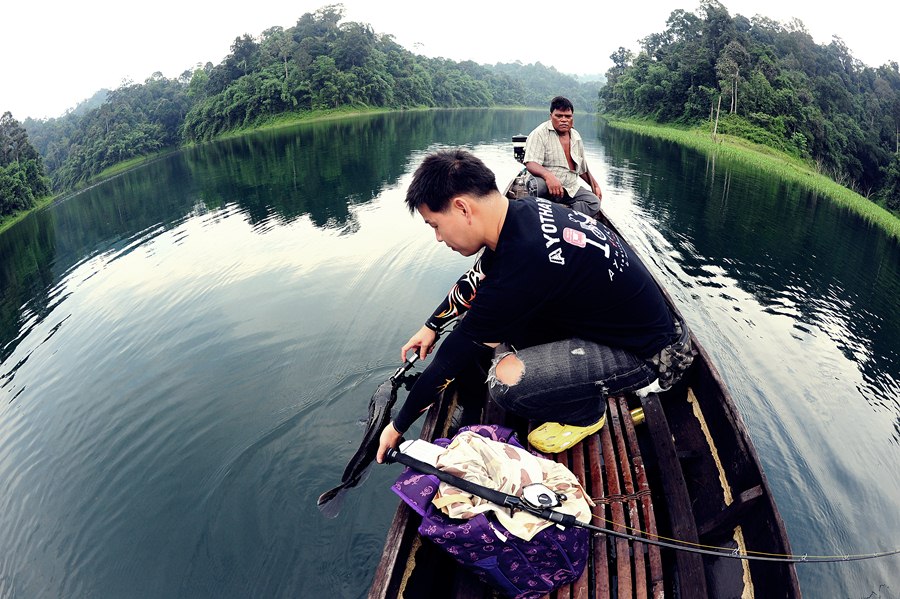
(657, 586)
(598, 540)
(692, 580)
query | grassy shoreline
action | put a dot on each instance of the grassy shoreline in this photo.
(275, 122)
(762, 157)
(766, 159)
(9, 220)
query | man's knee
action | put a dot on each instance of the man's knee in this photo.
(510, 369)
(586, 203)
(507, 370)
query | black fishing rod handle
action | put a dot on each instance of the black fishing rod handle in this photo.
(406, 366)
(492, 495)
(558, 517)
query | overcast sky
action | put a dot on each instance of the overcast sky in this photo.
(57, 53)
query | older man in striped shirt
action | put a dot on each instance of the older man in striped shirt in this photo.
(554, 154)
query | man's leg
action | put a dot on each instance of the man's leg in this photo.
(565, 381)
(584, 201)
(542, 190)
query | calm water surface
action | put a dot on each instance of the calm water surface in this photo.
(186, 352)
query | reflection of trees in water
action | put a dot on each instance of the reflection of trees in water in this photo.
(320, 169)
(786, 243)
(273, 177)
(43, 247)
(25, 276)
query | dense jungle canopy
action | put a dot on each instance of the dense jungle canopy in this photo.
(770, 81)
(320, 63)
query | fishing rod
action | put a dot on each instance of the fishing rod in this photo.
(397, 376)
(538, 500)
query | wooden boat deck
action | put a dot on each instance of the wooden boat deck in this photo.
(692, 480)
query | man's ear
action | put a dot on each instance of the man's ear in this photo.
(464, 205)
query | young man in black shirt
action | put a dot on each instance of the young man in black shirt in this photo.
(581, 315)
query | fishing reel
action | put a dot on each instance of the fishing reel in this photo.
(540, 496)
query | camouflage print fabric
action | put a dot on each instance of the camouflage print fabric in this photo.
(523, 186)
(671, 361)
(507, 469)
(514, 567)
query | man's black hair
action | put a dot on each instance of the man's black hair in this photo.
(561, 103)
(445, 175)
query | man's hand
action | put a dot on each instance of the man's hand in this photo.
(389, 438)
(595, 188)
(423, 340)
(554, 185)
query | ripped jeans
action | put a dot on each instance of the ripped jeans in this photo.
(568, 381)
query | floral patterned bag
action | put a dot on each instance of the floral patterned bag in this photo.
(515, 567)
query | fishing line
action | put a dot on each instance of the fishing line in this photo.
(689, 547)
(516, 503)
(719, 551)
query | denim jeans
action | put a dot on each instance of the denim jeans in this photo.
(568, 381)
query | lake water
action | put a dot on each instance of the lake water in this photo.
(186, 352)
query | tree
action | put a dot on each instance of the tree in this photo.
(22, 178)
(728, 69)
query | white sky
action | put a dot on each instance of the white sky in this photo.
(57, 53)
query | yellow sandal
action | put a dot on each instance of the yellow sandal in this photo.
(553, 437)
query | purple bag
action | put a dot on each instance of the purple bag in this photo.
(516, 568)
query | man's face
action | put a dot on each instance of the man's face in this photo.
(562, 120)
(452, 228)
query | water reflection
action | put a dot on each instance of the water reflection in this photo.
(315, 171)
(795, 299)
(797, 255)
(186, 350)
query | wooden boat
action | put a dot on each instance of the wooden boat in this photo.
(677, 465)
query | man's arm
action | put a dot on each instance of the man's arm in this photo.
(595, 187)
(554, 185)
(536, 156)
(455, 353)
(458, 300)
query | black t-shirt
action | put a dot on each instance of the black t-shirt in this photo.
(555, 274)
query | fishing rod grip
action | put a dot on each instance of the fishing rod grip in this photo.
(492, 495)
(558, 517)
(406, 366)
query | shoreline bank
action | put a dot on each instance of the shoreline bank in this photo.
(767, 159)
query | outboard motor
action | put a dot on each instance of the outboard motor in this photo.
(519, 147)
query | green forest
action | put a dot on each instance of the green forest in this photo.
(770, 83)
(22, 178)
(758, 79)
(319, 64)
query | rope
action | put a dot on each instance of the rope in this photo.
(620, 498)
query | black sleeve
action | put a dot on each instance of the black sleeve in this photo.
(455, 353)
(458, 300)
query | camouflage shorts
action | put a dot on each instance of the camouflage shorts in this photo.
(524, 185)
(671, 361)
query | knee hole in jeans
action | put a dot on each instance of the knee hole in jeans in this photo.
(508, 369)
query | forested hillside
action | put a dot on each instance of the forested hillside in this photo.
(22, 179)
(320, 63)
(756, 78)
(771, 83)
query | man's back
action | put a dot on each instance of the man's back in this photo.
(558, 273)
